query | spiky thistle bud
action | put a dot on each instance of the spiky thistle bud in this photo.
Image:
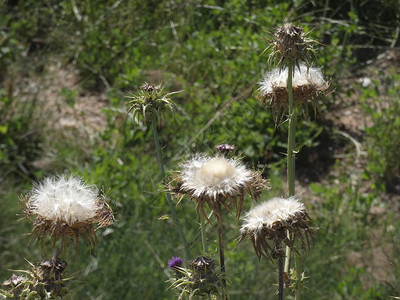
(150, 100)
(291, 44)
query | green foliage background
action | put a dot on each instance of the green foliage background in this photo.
(210, 50)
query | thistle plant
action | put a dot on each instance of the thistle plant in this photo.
(150, 102)
(216, 183)
(293, 83)
(273, 224)
(62, 208)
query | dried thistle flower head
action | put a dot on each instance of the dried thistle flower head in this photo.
(201, 278)
(202, 265)
(291, 44)
(43, 280)
(308, 84)
(218, 181)
(150, 100)
(66, 207)
(269, 223)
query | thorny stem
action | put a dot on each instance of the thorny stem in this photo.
(168, 195)
(203, 235)
(291, 164)
(280, 268)
(221, 249)
(291, 134)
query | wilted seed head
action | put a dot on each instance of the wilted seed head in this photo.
(14, 280)
(308, 84)
(202, 265)
(50, 269)
(269, 223)
(201, 278)
(218, 181)
(290, 44)
(43, 280)
(204, 276)
(149, 100)
(289, 41)
(66, 206)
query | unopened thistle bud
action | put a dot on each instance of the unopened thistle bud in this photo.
(149, 100)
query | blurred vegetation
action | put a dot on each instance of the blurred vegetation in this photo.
(210, 50)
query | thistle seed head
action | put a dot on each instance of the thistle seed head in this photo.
(66, 207)
(268, 224)
(217, 181)
(308, 86)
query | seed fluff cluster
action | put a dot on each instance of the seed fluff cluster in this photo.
(66, 207)
(308, 84)
(218, 181)
(271, 221)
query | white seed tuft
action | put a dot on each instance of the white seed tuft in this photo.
(302, 77)
(206, 176)
(64, 199)
(271, 212)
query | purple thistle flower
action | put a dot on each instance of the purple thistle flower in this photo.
(175, 262)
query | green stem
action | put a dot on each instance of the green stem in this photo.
(168, 195)
(203, 235)
(280, 280)
(291, 134)
(298, 274)
(221, 249)
(291, 151)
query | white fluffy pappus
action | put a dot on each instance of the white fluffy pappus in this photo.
(213, 176)
(268, 213)
(301, 77)
(64, 199)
